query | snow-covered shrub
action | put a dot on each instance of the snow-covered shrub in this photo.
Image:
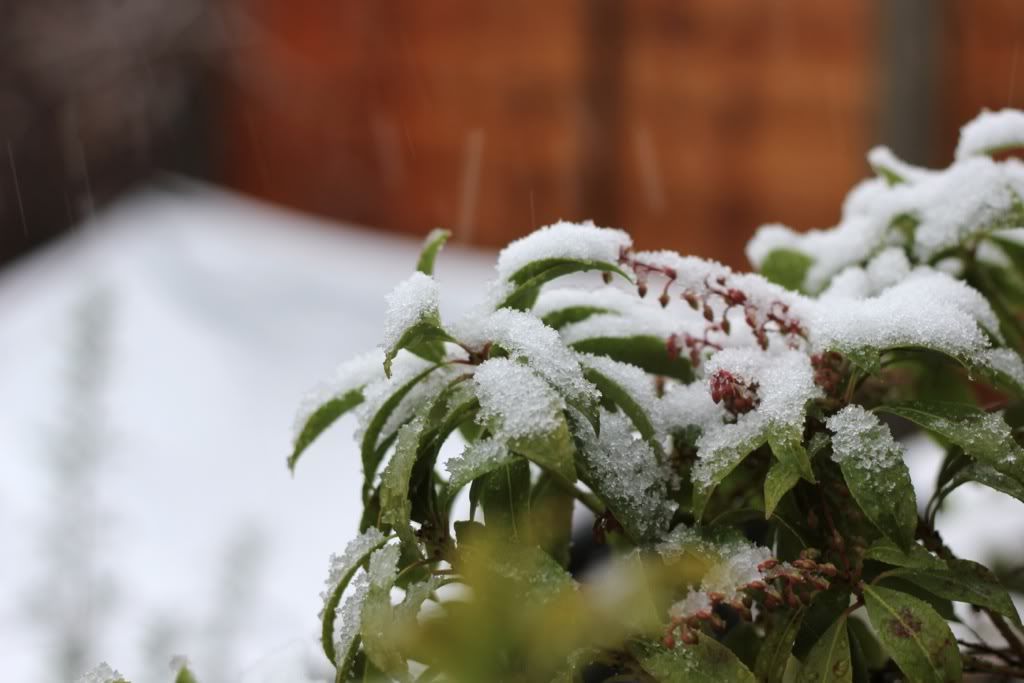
(730, 433)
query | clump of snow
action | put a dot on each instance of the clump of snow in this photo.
(525, 337)
(563, 240)
(695, 602)
(348, 617)
(991, 131)
(642, 319)
(690, 405)
(101, 673)
(516, 398)
(413, 300)
(882, 159)
(355, 552)
(785, 383)
(384, 566)
(626, 470)
(732, 564)
(859, 435)
(350, 375)
(927, 309)
(887, 268)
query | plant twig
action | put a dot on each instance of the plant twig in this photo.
(1007, 632)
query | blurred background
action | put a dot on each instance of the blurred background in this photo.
(226, 189)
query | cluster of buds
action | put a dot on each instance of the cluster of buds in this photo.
(784, 584)
(830, 370)
(735, 394)
(793, 584)
(777, 319)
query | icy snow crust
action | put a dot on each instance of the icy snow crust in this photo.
(516, 398)
(355, 552)
(991, 131)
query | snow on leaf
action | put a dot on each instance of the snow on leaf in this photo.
(412, 320)
(433, 243)
(523, 336)
(631, 389)
(102, 673)
(553, 251)
(331, 399)
(342, 568)
(872, 464)
(983, 436)
(625, 472)
(991, 132)
(476, 460)
(784, 385)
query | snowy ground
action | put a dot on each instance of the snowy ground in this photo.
(223, 312)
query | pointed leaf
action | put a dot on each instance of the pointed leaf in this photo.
(777, 647)
(916, 637)
(505, 498)
(964, 581)
(873, 467)
(477, 460)
(829, 661)
(781, 478)
(787, 446)
(423, 338)
(371, 453)
(644, 351)
(431, 246)
(527, 281)
(989, 476)
(916, 556)
(561, 317)
(621, 397)
(395, 506)
(707, 661)
(322, 418)
(984, 436)
(820, 614)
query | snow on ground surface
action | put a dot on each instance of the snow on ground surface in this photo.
(224, 313)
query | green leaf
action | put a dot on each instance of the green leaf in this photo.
(431, 246)
(708, 661)
(822, 613)
(505, 498)
(787, 447)
(873, 467)
(422, 338)
(620, 396)
(528, 280)
(964, 581)
(782, 628)
(916, 556)
(371, 453)
(478, 459)
(551, 508)
(917, 638)
(554, 451)
(395, 506)
(322, 418)
(647, 352)
(781, 478)
(561, 317)
(989, 476)
(360, 553)
(787, 267)
(829, 660)
(378, 618)
(984, 436)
